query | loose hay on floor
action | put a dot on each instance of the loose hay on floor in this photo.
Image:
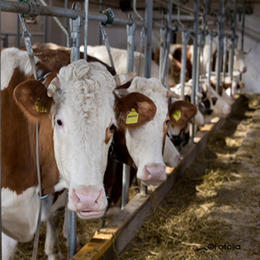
(213, 211)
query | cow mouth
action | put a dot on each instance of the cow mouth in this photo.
(91, 214)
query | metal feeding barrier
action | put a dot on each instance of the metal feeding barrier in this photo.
(76, 17)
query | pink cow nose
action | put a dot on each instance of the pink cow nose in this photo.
(89, 201)
(154, 174)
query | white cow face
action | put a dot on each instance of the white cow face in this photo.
(82, 115)
(145, 134)
(219, 106)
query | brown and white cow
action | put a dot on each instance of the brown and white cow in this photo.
(75, 115)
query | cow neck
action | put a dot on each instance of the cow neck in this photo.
(18, 145)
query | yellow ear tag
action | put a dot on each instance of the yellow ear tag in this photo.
(132, 117)
(177, 115)
(38, 108)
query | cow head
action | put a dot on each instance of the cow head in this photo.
(79, 102)
(215, 102)
(142, 112)
(239, 61)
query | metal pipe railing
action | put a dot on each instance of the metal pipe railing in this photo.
(220, 43)
(130, 46)
(194, 63)
(243, 25)
(86, 30)
(125, 185)
(210, 58)
(185, 39)
(148, 38)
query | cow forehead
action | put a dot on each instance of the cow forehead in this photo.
(84, 87)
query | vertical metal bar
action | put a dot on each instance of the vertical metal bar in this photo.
(210, 58)
(0, 143)
(18, 33)
(148, 45)
(86, 30)
(130, 46)
(185, 38)
(143, 189)
(100, 33)
(243, 25)
(194, 67)
(220, 43)
(168, 43)
(75, 55)
(66, 5)
(162, 51)
(125, 185)
(234, 22)
(45, 21)
(198, 66)
(224, 57)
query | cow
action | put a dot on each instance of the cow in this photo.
(76, 117)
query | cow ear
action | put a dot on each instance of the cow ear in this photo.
(181, 112)
(134, 109)
(31, 97)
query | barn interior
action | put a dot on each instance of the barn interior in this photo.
(214, 207)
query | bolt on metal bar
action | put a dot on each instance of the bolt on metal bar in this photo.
(86, 30)
(185, 38)
(194, 63)
(125, 185)
(210, 58)
(130, 47)
(148, 30)
(75, 26)
(220, 43)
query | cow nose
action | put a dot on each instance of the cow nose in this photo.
(89, 201)
(154, 174)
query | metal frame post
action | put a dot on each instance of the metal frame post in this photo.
(163, 37)
(198, 65)
(130, 46)
(220, 43)
(233, 44)
(125, 185)
(210, 58)
(243, 25)
(148, 30)
(86, 30)
(18, 33)
(75, 25)
(194, 67)
(224, 57)
(185, 38)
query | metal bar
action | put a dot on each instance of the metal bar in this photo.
(75, 55)
(58, 22)
(194, 63)
(143, 189)
(243, 25)
(86, 30)
(66, 5)
(45, 21)
(100, 34)
(125, 185)
(130, 47)
(162, 50)
(0, 144)
(18, 31)
(198, 66)
(185, 39)
(224, 58)
(233, 42)
(148, 29)
(220, 43)
(210, 58)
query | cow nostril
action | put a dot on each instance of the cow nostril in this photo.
(98, 197)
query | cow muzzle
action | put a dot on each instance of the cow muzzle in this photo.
(88, 201)
(153, 174)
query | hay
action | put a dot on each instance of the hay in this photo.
(214, 202)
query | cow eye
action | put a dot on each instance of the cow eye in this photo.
(59, 122)
(112, 128)
(167, 121)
